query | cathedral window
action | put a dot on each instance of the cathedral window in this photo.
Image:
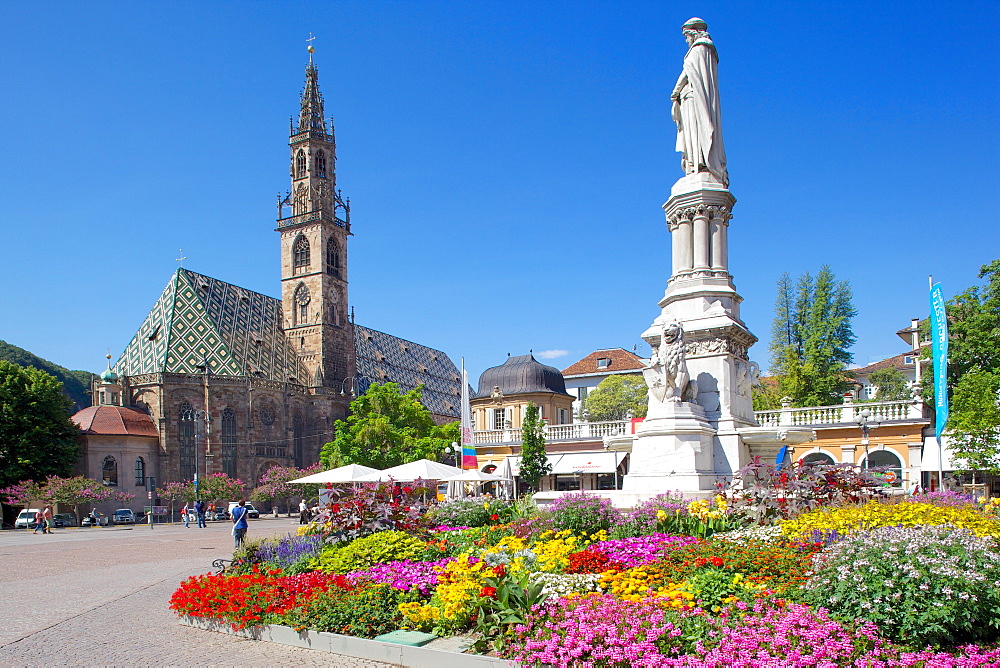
(333, 258)
(140, 472)
(229, 442)
(109, 471)
(300, 164)
(300, 253)
(321, 164)
(185, 441)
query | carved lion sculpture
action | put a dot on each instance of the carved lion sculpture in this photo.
(667, 376)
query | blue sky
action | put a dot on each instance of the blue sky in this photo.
(506, 162)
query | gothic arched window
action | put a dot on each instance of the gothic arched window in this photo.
(300, 252)
(109, 471)
(321, 164)
(185, 441)
(140, 472)
(229, 442)
(333, 257)
(300, 164)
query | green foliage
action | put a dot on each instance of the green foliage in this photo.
(387, 428)
(974, 424)
(472, 512)
(921, 585)
(617, 398)
(506, 607)
(365, 612)
(714, 588)
(583, 514)
(891, 383)
(75, 384)
(37, 438)
(535, 463)
(765, 397)
(811, 337)
(362, 553)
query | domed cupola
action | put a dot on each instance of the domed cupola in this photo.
(521, 375)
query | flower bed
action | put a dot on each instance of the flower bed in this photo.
(829, 587)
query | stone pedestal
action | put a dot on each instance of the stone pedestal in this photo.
(672, 451)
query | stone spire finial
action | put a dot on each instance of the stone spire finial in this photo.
(311, 117)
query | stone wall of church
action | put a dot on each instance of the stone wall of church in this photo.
(253, 423)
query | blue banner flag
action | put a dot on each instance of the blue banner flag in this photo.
(939, 346)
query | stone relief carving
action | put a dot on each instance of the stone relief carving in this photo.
(667, 375)
(716, 346)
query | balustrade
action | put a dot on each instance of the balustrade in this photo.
(842, 414)
(556, 432)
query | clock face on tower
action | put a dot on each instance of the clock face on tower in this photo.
(302, 296)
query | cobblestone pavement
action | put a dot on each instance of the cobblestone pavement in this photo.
(98, 597)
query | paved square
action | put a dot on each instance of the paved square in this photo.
(99, 597)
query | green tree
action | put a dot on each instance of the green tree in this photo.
(535, 463)
(891, 384)
(765, 397)
(75, 491)
(617, 397)
(219, 487)
(974, 421)
(387, 428)
(75, 384)
(37, 438)
(811, 337)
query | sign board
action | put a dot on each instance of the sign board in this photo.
(155, 510)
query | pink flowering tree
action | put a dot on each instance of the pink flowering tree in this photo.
(276, 485)
(219, 487)
(181, 490)
(75, 491)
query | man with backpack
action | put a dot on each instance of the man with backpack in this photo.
(240, 525)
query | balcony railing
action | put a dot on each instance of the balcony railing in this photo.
(579, 431)
(882, 411)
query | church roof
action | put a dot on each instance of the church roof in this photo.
(384, 358)
(239, 333)
(114, 421)
(521, 375)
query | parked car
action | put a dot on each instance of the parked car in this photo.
(64, 520)
(26, 519)
(123, 516)
(252, 512)
(92, 520)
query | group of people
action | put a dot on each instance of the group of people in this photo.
(44, 520)
(239, 516)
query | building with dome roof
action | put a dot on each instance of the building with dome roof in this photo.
(506, 391)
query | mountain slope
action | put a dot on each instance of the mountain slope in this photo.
(76, 384)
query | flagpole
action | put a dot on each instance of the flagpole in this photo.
(939, 435)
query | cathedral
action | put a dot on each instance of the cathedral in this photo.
(223, 379)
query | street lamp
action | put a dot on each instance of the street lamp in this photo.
(866, 422)
(343, 384)
(195, 415)
(454, 450)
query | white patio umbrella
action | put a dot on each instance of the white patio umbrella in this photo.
(349, 473)
(422, 469)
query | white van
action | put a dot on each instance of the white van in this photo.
(26, 518)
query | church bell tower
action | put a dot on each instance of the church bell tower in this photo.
(314, 222)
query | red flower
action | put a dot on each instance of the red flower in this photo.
(407, 490)
(699, 562)
(494, 517)
(716, 561)
(488, 592)
(499, 571)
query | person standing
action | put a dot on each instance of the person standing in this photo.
(303, 512)
(185, 514)
(199, 509)
(49, 520)
(39, 521)
(240, 525)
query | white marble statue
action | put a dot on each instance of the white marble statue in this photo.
(667, 374)
(696, 109)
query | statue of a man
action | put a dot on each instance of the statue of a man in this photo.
(696, 109)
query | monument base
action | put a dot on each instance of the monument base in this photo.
(672, 451)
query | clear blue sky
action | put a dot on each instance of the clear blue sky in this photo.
(506, 162)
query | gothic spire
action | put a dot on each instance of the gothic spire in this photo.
(311, 114)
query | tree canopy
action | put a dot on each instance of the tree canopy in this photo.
(890, 383)
(617, 397)
(37, 438)
(75, 384)
(387, 428)
(811, 337)
(535, 463)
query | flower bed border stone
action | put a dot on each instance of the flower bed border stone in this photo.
(375, 650)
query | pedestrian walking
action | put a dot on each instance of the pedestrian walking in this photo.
(303, 512)
(39, 521)
(199, 509)
(49, 520)
(185, 513)
(240, 525)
